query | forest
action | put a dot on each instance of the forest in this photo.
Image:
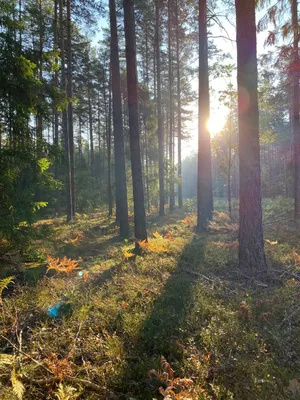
(149, 199)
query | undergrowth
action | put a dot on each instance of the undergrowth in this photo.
(178, 321)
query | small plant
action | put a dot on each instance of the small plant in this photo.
(189, 220)
(64, 265)
(4, 284)
(66, 392)
(59, 368)
(175, 388)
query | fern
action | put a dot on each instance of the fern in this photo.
(66, 392)
(17, 385)
(4, 283)
(6, 359)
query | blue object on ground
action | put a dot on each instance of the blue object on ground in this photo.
(80, 273)
(54, 311)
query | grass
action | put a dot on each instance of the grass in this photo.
(182, 306)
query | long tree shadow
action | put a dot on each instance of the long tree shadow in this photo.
(166, 327)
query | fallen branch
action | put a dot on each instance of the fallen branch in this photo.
(197, 274)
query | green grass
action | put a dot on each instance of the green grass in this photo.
(234, 337)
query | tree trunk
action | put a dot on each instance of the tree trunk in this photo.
(120, 167)
(180, 202)
(108, 133)
(205, 196)
(70, 105)
(55, 31)
(171, 138)
(251, 245)
(91, 124)
(132, 86)
(65, 118)
(159, 114)
(39, 117)
(295, 110)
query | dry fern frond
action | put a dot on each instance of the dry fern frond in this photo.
(128, 255)
(59, 368)
(169, 236)
(296, 258)
(189, 220)
(64, 265)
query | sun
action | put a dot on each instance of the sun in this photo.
(215, 124)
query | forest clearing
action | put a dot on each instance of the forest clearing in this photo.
(220, 334)
(149, 200)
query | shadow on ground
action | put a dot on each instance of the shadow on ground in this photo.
(166, 327)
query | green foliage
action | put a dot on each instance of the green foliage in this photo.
(66, 392)
(4, 283)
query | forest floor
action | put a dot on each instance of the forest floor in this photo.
(179, 321)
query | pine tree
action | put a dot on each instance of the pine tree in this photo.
(205, 196)
(132, 86)
(120, 166)
(251, 245)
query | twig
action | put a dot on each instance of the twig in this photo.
(197, 274)
(288, 317)
(25, 354)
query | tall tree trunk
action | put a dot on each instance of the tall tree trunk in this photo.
(55, 80)
(159, 113)
(180, 202)
(120, 167)
(145, 126)
(171, 138)
(91, 124)
(39, 117)
(295, 109)
(251, 245)
(132, 86)
(65, 117)
(205, 196)
(108, 135)
(80, 140)
(70, 105)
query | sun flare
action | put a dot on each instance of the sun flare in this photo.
(215, 124)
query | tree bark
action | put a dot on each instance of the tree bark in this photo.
(251, 245)
(91, 123)
(295, 110)
(70, 105)
(180, 201)
(132, 86)
(55, 31)
(109, 189)
(159, 114)
(120, 167)
(39, 116)
(171, 125)
(65, 117)
(205, 195)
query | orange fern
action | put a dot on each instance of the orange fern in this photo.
(59, 368)
(63, 265)
(296, 258)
